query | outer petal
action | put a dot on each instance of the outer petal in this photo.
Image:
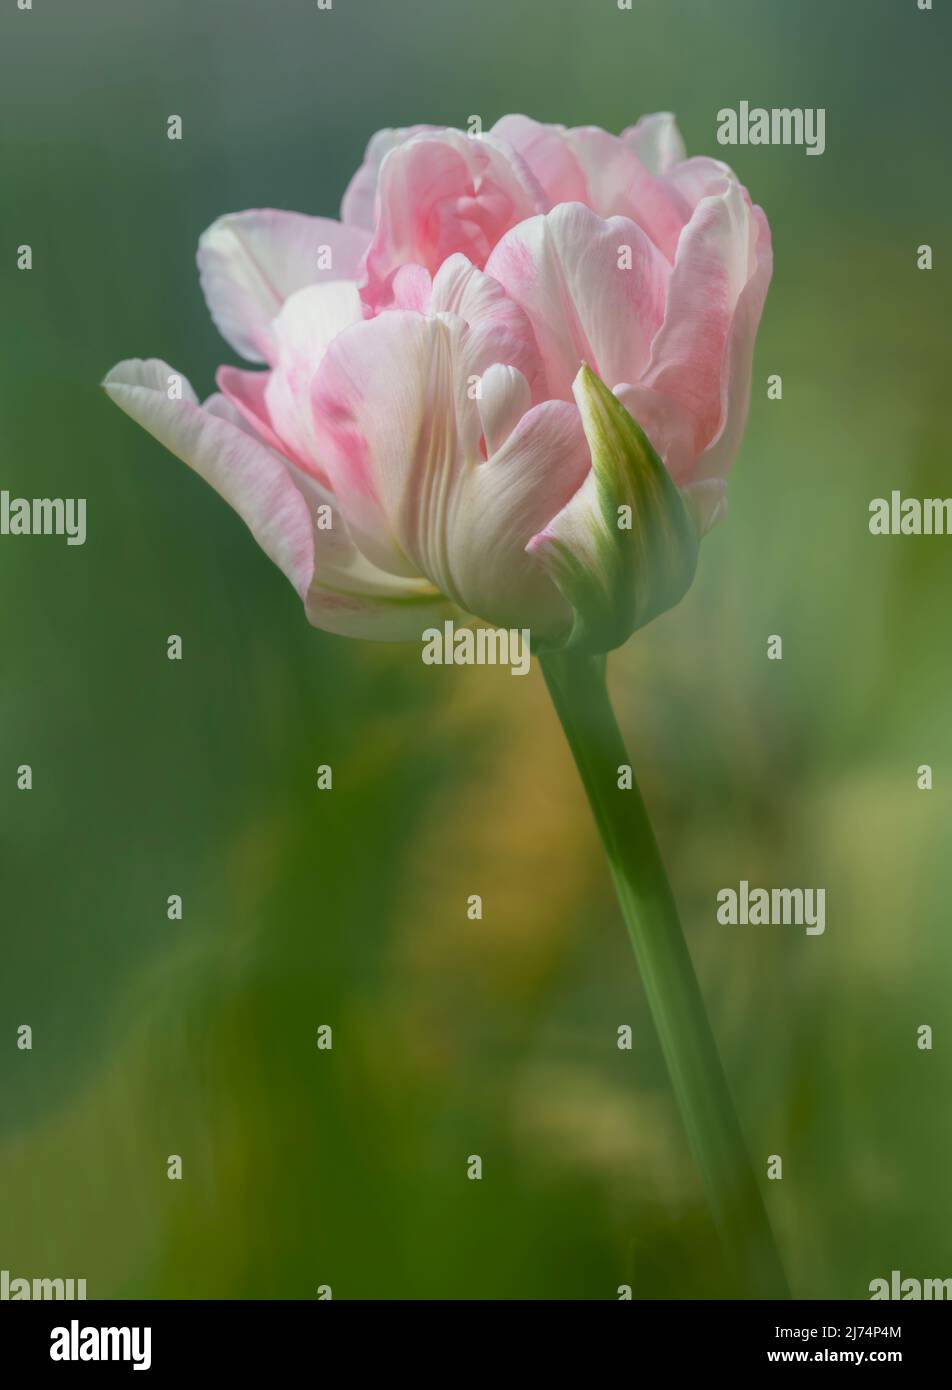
(357, 208)
(697, 178)
(620, 185)
(657, 142)
(605, 173)
(279, 506)
(547, 152)
(735, 379)
(440, 193)
(250, 262)
(569, 271)
(250, 477)
(700, 362)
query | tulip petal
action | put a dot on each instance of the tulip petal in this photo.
(505, 397)
(656, 140)
(246, 392)
(279, 506)
(250, 262)
(440, 193)
(357, 208)
(548, 154)
(395, 426)
(495, 319)
(620, 185)
(502, 505)
(306, 326)
(695, 351)
(400, 428)
(735, 379)
(569, 270)
(606, 173)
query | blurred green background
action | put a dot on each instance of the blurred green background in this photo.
(348, 908)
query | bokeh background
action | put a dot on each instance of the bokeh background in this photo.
(347, 908)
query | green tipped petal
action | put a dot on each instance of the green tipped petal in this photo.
(624, 549)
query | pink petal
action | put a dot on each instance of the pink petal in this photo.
(604, 172)
(250, 262)
(400, 428)
(441, 193)
(620, 185)
(692, 367)
(358, 206)
(735, 380)
(657, 142)
(250, 477)
(567, 270)
(342, 591)
(307, 324)
(461, 289)
(507, 501)
(548, 154)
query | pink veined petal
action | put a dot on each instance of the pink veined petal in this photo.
(285, 511)
(697, 178)
(246, 392)
(689, 356)
(548, 154)
(249, 476)
(620, 185)
(440, 193)
(250, 262)
(412, 289)
(306, 326)
(604, 172)
(401, 427)
(494, 318)
(735, 378)
(347, 594)
(390, 407)
(569, 270)
(357, 208)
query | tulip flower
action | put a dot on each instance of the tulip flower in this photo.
(507, 386)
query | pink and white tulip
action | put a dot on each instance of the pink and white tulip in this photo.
(431, 436)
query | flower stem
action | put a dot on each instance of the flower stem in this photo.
(580, 695)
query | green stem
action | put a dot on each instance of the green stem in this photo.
(580, 695)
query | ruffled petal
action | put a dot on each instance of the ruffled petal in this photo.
(699, 371)
(398, 403)
(656, 140)
(594, 291)
(440, 193)
(357, 208)
(250, 262)
(295, 521)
